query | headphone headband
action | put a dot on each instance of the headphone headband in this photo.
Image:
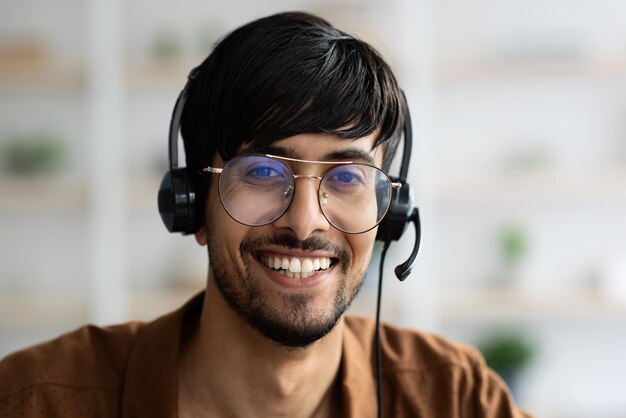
(176, 116)
(407, 143)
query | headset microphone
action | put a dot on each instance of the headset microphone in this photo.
(403, 270)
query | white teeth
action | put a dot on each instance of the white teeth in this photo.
(294, 265)
(307, 265)
(316, 264)
(324, 263)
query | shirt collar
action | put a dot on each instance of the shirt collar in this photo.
(358, 379)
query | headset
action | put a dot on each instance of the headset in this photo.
(401, 210)
(181, 208)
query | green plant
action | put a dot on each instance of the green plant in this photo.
(513, 242)
(35, 153)
(507, 352)
(166, 45)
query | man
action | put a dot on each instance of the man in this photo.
(286, 127)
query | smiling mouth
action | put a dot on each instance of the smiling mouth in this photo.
(296, 267)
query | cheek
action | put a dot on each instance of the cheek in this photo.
(362, 246)
(225, 234)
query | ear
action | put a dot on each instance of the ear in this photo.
(201, 236)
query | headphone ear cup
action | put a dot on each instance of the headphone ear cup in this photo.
(398, 215)
(178, 206)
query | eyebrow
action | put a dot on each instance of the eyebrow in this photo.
(349, 154)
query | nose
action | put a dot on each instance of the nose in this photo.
(304, 215)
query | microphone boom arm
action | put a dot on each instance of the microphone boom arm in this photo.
(403, 270)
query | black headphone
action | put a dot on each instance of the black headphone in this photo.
(181, 208)
(402, 211)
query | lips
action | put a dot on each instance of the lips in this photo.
(295, 267)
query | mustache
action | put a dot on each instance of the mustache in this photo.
(314, 243)
(289, 241)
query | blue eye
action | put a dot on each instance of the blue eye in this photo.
(264, 172)
(344, 177)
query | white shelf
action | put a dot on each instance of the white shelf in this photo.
(153, 75)
(33, 193)
(41, 193)
(502, 306)
(606, 185)
(488, 70)
(42, 76)
(489, 306)
(23, 310)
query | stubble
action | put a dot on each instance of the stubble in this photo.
(294, 324)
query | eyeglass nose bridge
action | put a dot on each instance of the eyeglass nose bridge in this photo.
(322, 198)
(309, 176)
(322, 195)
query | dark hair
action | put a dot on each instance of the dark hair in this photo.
(283, 75)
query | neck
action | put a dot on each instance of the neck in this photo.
(227, 366)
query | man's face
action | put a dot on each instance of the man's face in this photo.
(291, 311)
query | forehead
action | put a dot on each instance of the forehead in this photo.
(323, 147)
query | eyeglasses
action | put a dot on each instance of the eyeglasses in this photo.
(256, 190)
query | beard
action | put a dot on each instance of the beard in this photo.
(295, 325)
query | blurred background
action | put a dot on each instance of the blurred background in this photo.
(519, 169)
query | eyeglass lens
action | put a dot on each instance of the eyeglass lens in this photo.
(257, 190)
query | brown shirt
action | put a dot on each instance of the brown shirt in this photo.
(131, 370)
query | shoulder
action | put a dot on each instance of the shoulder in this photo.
(89, 357)
(426, 374)
(407, 349)
(97, 371)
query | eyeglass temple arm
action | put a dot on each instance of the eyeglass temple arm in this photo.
(212, 170)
